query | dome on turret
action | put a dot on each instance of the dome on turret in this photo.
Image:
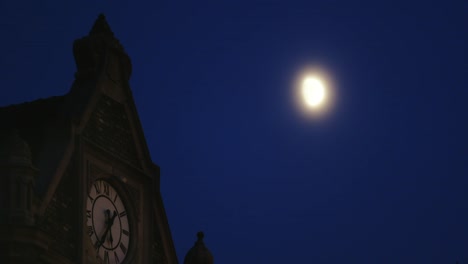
(13, 149)
(199, 253)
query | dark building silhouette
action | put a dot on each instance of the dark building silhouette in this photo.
(79, 185)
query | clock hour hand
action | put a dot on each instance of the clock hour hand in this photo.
(111, 240)
(113, 218)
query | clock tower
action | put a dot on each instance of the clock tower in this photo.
(81, 185)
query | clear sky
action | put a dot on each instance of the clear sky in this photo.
(382, 179)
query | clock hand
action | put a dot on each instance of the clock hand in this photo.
(111, 224)
(110, 238)
(108, 224)
(113, 218)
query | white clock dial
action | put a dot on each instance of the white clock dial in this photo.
(107, 222)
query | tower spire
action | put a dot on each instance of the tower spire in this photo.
(101, 27)
(100, 52)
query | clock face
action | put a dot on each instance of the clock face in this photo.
(107, 222)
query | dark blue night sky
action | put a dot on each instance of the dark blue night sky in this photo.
(382, 179)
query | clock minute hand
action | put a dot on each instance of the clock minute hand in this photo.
(111, 222)
(100, 241)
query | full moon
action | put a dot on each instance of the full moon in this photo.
(313, 91)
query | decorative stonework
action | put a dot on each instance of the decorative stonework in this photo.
(109, 128)
(135, 198)
(60, 220)
(93, 173)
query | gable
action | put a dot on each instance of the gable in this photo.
(109, 128)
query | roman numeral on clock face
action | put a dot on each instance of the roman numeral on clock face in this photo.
(97, 187)
(90, 230)
(123, 248)
(106, 257)
(116, 257)
(106, 189)
(122, 214)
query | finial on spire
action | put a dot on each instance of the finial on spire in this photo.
(101, 27)
(200, 236)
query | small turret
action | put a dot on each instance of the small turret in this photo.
(17, 171)
(199, 253)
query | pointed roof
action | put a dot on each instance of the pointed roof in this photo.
(90, 51)
(101, 27)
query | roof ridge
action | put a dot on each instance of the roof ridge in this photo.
(36, 101)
